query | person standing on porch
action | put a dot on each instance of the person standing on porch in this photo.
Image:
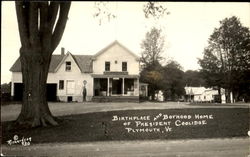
(84, 91)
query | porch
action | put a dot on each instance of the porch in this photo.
(115, 86)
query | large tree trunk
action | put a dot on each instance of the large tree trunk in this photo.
(35, 110)
(40, 34)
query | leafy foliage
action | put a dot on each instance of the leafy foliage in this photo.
(193, 79)
(226, 60)
(6, 88)
(154, 9)
(103, 10)
(152, 47)
(173, 83)
(152, 74)
(5, 93)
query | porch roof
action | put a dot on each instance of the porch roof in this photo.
(114, 75)
(143, 84)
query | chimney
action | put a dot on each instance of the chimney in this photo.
(62, 51)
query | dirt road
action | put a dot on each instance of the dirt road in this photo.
(234, 147)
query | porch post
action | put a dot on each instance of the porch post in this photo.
(12, 89)
(108, 87)
(123, 86)
(138, 87)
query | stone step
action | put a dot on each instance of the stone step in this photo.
(115, 99)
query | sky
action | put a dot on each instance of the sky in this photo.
(186, 29)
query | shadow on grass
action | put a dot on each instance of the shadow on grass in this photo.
(226, 122)
(219, 104)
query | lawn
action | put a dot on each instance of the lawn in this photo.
(98, 126)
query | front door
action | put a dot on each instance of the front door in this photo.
(70, 87)
(117, 86)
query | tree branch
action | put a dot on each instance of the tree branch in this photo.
(22, 19)
(43, 16)
(45, 34)
(61, 23)
(33, 25)
(53, 10)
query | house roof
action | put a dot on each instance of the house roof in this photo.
(55, 60)
(142, 83)
(194, 90)
(84, 62)
(112, 44)
(200, 91)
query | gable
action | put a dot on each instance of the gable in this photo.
(67, 58)
(115, 49)
(83, 62)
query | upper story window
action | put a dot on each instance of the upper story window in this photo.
(61, 84)
(142, 66)
(124, 66)
(107, 66)
(68, 66)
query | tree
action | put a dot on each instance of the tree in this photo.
(152, 74)
(41, 26)
(193, 78)
(152, 47)
(226, 60)
(6, 87)
(173, 83)
(5, 92)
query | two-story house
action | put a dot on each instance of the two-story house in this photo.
(112, 74)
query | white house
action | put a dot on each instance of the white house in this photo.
(112, 74)
(200, 94)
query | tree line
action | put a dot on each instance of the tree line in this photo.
(225, 64)
(226, 59)
(169, 78)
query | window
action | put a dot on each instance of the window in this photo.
(143, 66)
(107, 66)
(68, 66)
(124, 66)
(128, 85)
(61, 84)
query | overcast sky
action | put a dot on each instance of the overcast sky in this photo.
(186, 29)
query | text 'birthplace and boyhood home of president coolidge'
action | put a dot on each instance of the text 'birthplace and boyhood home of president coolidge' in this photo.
(112, 74)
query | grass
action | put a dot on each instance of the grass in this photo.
(239, 104)
(227, 122)
(4, 103)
